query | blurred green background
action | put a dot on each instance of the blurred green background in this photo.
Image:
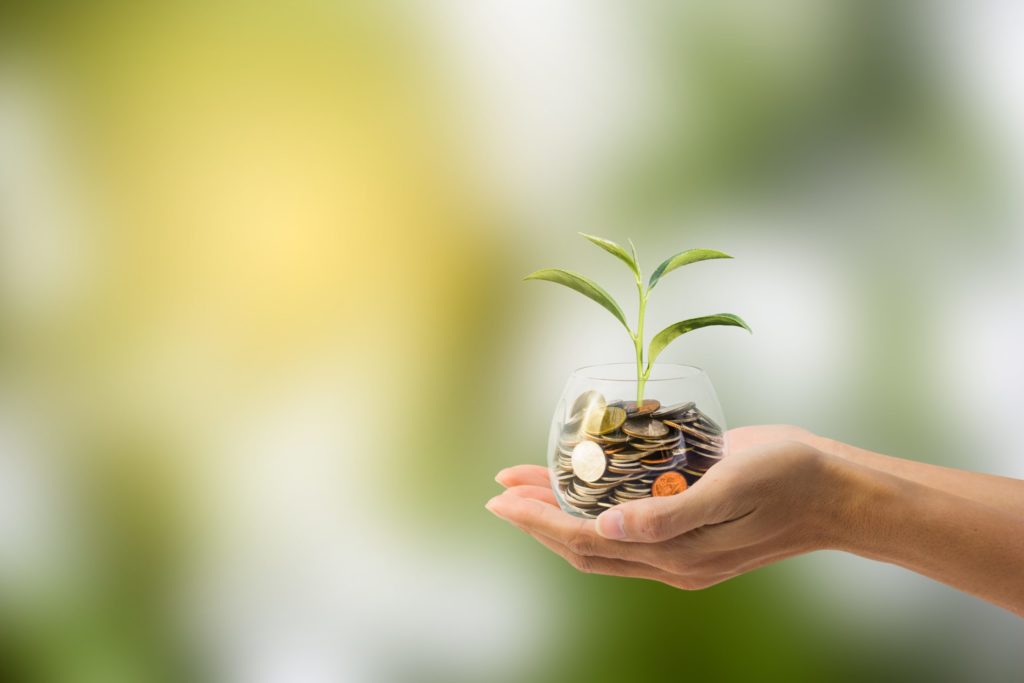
(264, 343)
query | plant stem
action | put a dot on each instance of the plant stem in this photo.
(638, 344)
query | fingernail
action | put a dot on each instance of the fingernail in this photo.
(497, 477)
(610, 525)
(491, 506)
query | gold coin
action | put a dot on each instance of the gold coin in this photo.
(605, 421)
(588, 401)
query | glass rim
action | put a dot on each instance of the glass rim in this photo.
(683, 371)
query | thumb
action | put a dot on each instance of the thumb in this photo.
(650, 520)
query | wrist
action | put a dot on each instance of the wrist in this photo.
(865, 501)
(828, 446)
(822, 443)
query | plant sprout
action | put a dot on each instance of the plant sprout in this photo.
(661, 340)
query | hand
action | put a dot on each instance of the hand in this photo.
(759, 505)
(742, 438)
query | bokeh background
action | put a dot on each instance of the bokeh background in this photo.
(264, 340)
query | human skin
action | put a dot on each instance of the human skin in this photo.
(784, 491)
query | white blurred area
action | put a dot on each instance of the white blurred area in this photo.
(301, 564)
(300, 573)
(552, 91)
(806, 289)
(533, 73)
(983, 338)
(304, 580)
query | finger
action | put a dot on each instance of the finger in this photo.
(541, 493)
(701, 572)
(651, 520)
(589, 564)
(532, 475)
(578, 535)
(738, 564)
(728, 562)
(742, 438)
(745, 562)
(602, 565)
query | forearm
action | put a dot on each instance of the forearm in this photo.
(971, 546)
(1001, 492)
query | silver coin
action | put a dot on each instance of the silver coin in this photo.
(707, 452)
(690, 431)
(588, 461)
(592, 488)
(701, 462)
(606, 440)
(665, 444)
(626, 478)
(707, 444)
(578, 500)
(677, 410)
(613, 438)
(709, 424)
(572, 425)
(603, 459)
(645, 428)
(627, 457)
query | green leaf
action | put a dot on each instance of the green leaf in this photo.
(616, 251)
(681, 259)
(672, 332)
(584, 286)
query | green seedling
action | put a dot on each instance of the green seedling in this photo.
(660, 341)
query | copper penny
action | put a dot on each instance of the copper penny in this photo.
(646, 407)
(668, 484)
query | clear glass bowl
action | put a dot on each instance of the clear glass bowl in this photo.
(604, 449)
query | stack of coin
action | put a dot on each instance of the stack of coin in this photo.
(610, 453)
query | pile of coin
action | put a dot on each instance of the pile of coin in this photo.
(612, 452)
